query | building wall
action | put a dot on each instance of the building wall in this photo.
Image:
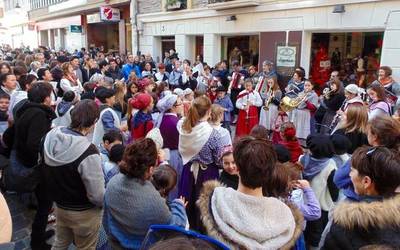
(149, 6)
(275, 16)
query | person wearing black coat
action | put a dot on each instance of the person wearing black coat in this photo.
(374, 220)
(330, 104)
(32, 122)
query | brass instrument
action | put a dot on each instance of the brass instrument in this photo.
(270, 95)
(327, 93)
(288, 104)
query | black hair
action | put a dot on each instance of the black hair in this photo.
(69, 96)
(39, 91)
(341, 143)
(84, 114)
(4, 96)
(116, 153)
(164, 179)
(320, 146)
(112, 136)
(41, 72)
(25, 80)
(102, 93)
(3, 77)
(102, 64)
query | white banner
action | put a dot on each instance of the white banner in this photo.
(286, 56)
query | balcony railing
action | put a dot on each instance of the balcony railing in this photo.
(231, 4)
(38, 4)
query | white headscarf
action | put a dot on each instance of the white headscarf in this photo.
(165, 104)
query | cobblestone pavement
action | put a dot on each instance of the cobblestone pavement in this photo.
(22, 218)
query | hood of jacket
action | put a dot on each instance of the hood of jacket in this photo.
(63, 107)
(269, 224)
(32, 105)
(63, 146)
(365, 215)
(313, 166)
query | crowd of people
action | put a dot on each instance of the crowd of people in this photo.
(126, 152)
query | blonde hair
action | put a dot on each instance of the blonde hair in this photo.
(356, 118)
(216, 113)
(120, 88)
(199, 108)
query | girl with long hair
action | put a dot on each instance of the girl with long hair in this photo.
(354, 125)
(200, 147)
(378, 106)
(69, 81)
(269, 112)
(120, 104)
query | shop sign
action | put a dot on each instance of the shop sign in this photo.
(93, 18)
(286, 56)
(75, 28)
(110, 14)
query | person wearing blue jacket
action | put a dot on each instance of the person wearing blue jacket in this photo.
(224, 101)
(129, 67)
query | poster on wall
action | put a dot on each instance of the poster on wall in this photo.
(286, 56)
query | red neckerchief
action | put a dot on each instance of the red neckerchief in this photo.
(72, 79)
(261, 84)
(386, 81)
(246, 93)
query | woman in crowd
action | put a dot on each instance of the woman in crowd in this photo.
(5, 68)
(200, 147)
(216, 117)
(333, 99)
(392, 87)
(302, 116)
(120, 104)
(69, 81)
(269, 112)
(290, 141)
(74, 178)
(373, 220)
(147, 71)
(141, 122)
(245, 219)
(171, 109)
(132, 204)
(296, 84)
(354, 125)
(381, 131)
(378, 106)
(131, 90)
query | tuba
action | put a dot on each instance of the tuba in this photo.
(288, 104)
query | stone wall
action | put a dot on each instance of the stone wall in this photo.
(149, 6)
(199, 3)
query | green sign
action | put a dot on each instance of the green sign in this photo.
(75, 28)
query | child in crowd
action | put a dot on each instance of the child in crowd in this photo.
(109, 119)
(4, 103)
(289, 140)
(276, 131)
(229, 175)
(88, 91)
(319, 170)
(63, 109)
(110, 168)
(217, 114)
(110, 139)
(142, 122)
(302, 195)
(248, 102)
(225, 102)
(188, 97)
(212, 92)
(259, 132)
(341, 144)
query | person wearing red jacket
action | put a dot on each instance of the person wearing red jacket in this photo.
(141, 122)
(289, 141)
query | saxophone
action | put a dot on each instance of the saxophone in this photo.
(271, 95)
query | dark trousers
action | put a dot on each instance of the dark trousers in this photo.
(40, 221)
(227, 125)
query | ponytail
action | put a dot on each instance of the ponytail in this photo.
(197, 110)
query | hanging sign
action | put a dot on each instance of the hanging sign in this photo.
(286, 56)
(110, 14)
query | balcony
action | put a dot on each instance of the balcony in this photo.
(232, 4)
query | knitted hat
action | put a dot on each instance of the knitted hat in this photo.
(140, 101)
(341, 143)
(352, 88)
(167, 102)
(155, 135)
(320, 146)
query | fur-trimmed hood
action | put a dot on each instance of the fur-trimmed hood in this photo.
(246, 222)
(376, 214)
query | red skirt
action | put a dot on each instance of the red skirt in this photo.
(246, 121)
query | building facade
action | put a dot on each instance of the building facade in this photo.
(266, 29)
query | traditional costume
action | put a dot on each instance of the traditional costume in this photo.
(262, 83)
(200, 150)
(141, 123)
(269, 115)
(302, 115)
(392, 89)
(235, 87)
(167, 123)
(248, 115)
(378, 109)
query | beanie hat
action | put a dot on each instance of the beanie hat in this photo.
(352, 88)
(140, 101)
(341, 143)
(116, 153)
(320, 146)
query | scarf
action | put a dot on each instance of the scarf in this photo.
(191, 143)
(387, 80)
(72, 79)
(313, 166)
(141, 118)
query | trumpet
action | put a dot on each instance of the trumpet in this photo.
(326, 93)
